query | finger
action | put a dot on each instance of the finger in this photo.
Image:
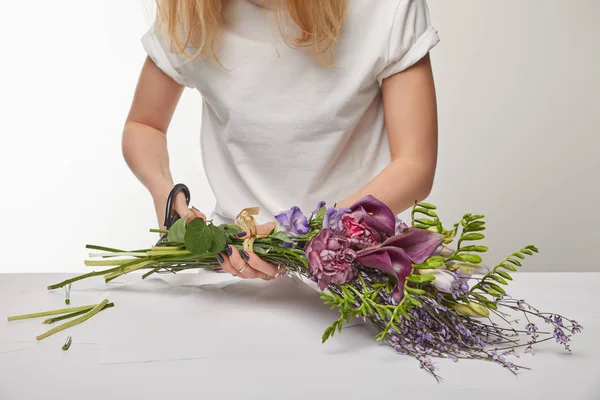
(240, 264)
(260, 265)
(197, 213)
(261, 230)
(225, 263)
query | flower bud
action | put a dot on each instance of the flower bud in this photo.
(466, 310)
(472, 269)
(446, 251)
(479, 309)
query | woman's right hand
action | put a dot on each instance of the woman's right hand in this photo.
(179, 206)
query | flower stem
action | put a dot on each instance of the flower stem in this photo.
(73, 314)
(67, 344)
(51, 312)
(159, 231)
(74, 322)
(81, 277)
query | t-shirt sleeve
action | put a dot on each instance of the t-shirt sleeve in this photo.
(158, 49)
(411, 37)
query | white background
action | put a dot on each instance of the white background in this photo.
(517, 85)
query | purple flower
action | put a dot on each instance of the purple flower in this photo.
(418, 244)
(401, 227)
(361, 235)
(319, 206)
(333, 218)
(531, 328)
(293, 221)
(330, 259)
(374, 214)
(391, 260)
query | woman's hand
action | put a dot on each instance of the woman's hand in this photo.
(247, 264)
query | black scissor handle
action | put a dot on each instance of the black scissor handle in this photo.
(170, 215)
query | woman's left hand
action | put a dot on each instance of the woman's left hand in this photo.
(247, 264)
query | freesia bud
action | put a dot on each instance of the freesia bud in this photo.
(479, 309)
(472, 269)
(446, 251)
(466, 310)
(444, 280)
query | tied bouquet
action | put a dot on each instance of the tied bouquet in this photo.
(423, 286)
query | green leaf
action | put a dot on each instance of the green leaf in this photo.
(229, 229)
(402, 311)
(481, 298)
(427, 205)
(476, 224)
(519, 255)
(492, 292)
(283, 237)
(426, 212)
(503, 274)
(219, 239)
(470, 258)
(508, 267)
(198, 237)
(415, 290)
(420, 278)
(480, 249)
(532, 248)
(259, 250)
(428, 222)
(474, 217)
(527, 251)
(414, 301)
(498, 279)
(491, 306)
(321, 213)
(434, 262)
(496, 287)
(513, 261)
(474, 228)
(473, 236)
(177, 232)
(421, 226)
(328, 333)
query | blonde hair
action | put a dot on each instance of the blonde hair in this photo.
(195, 24)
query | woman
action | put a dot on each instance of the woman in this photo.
(303, 101)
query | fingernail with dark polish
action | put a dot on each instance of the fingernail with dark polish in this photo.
(229, 250)
(220, 258)
(245, 255)
(240, 234)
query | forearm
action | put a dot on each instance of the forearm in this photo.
(145, 151)
(399, 185)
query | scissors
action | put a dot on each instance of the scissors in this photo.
(170, 215)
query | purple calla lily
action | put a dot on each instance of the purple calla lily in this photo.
(374, 214)
(419, 244)
(391, 260)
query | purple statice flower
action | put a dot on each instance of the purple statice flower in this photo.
(293, 221)
(531, 328)
(521, 304)
(560, 336)
(333, 218)
(558, 320)
(576, 327)
(330, 258)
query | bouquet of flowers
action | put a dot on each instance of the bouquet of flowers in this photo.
(423, 286)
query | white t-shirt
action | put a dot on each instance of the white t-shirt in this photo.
(278, 128)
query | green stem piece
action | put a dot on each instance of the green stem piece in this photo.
(51, 312)
(74, 322)
(73, 314)
(109, 277)
(67, 344)
(81, 277)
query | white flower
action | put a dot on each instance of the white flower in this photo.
(444, 280)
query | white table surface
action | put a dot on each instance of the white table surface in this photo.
(210, 336)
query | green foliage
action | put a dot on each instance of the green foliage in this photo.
(201, 238)
(177, 232)
(490, 283)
